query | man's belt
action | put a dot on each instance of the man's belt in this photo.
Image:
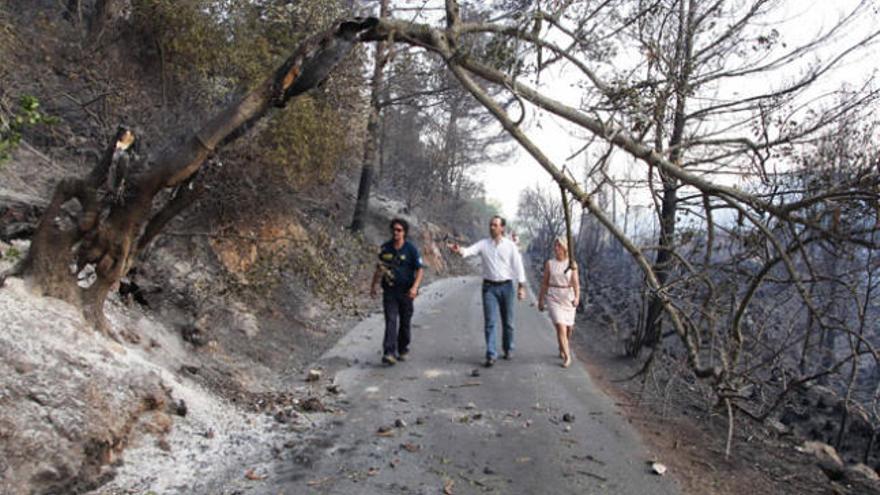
(493, 282)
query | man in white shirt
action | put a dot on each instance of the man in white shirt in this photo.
(502, 264)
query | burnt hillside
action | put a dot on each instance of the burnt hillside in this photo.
(240, 291)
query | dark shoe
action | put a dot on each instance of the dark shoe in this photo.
(403, 356)
(508, 354)
(490, 362)
(389, 359)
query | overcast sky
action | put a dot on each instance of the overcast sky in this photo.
(504, 182)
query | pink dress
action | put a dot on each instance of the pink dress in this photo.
(560, 293)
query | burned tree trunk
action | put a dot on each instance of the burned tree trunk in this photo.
(650, 334)
(101, 222)
(371, 145)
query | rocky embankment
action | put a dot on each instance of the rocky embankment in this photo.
(204, 380)
(79, 411)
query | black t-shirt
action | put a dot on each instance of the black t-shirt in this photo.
(399, 266)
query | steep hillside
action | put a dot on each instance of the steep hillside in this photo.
(213, 330)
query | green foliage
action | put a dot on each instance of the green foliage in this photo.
(306, 141)
(13, 124)
(220, 47)
(12, 253)
(227, 42)
(183, 31)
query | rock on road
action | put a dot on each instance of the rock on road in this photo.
(442, 423)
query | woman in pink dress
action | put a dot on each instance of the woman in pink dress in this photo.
(560, 290)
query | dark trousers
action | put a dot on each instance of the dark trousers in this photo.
(398, 315)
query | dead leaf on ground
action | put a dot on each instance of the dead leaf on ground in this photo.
(252, 475)
(410, 447)
(447, 487)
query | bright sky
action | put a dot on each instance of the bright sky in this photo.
(558, 139)
(504, 182)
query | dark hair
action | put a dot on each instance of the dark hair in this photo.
(402, 223)
(499, 217)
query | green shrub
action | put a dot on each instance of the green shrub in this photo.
(13, 123)
(12, 253)
(306, 141)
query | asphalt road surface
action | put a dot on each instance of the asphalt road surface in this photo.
(442, 423)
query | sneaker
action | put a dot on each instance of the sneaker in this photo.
(508, 354)
(403, 356)
(389, 359)
(490, 362)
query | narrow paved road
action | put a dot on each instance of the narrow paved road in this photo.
(460, 431)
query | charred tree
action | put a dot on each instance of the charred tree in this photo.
(371, 144)
(102, 221)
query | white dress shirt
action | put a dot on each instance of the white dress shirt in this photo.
(501, 261)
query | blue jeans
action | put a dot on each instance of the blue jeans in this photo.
(498, 298)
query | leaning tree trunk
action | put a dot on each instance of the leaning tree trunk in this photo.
(112, 208)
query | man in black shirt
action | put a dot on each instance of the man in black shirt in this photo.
(400, 270)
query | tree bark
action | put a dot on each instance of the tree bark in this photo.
(371, 145)
(111, 226)
(653, 328)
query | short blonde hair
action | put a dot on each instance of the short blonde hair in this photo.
(562, 242)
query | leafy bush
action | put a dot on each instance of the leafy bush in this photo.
(306, 142)
(223, 47)
(14, 123)
(230, 42)
(12, 253)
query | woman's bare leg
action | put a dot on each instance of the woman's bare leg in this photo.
(562, 338)
(567, 358)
